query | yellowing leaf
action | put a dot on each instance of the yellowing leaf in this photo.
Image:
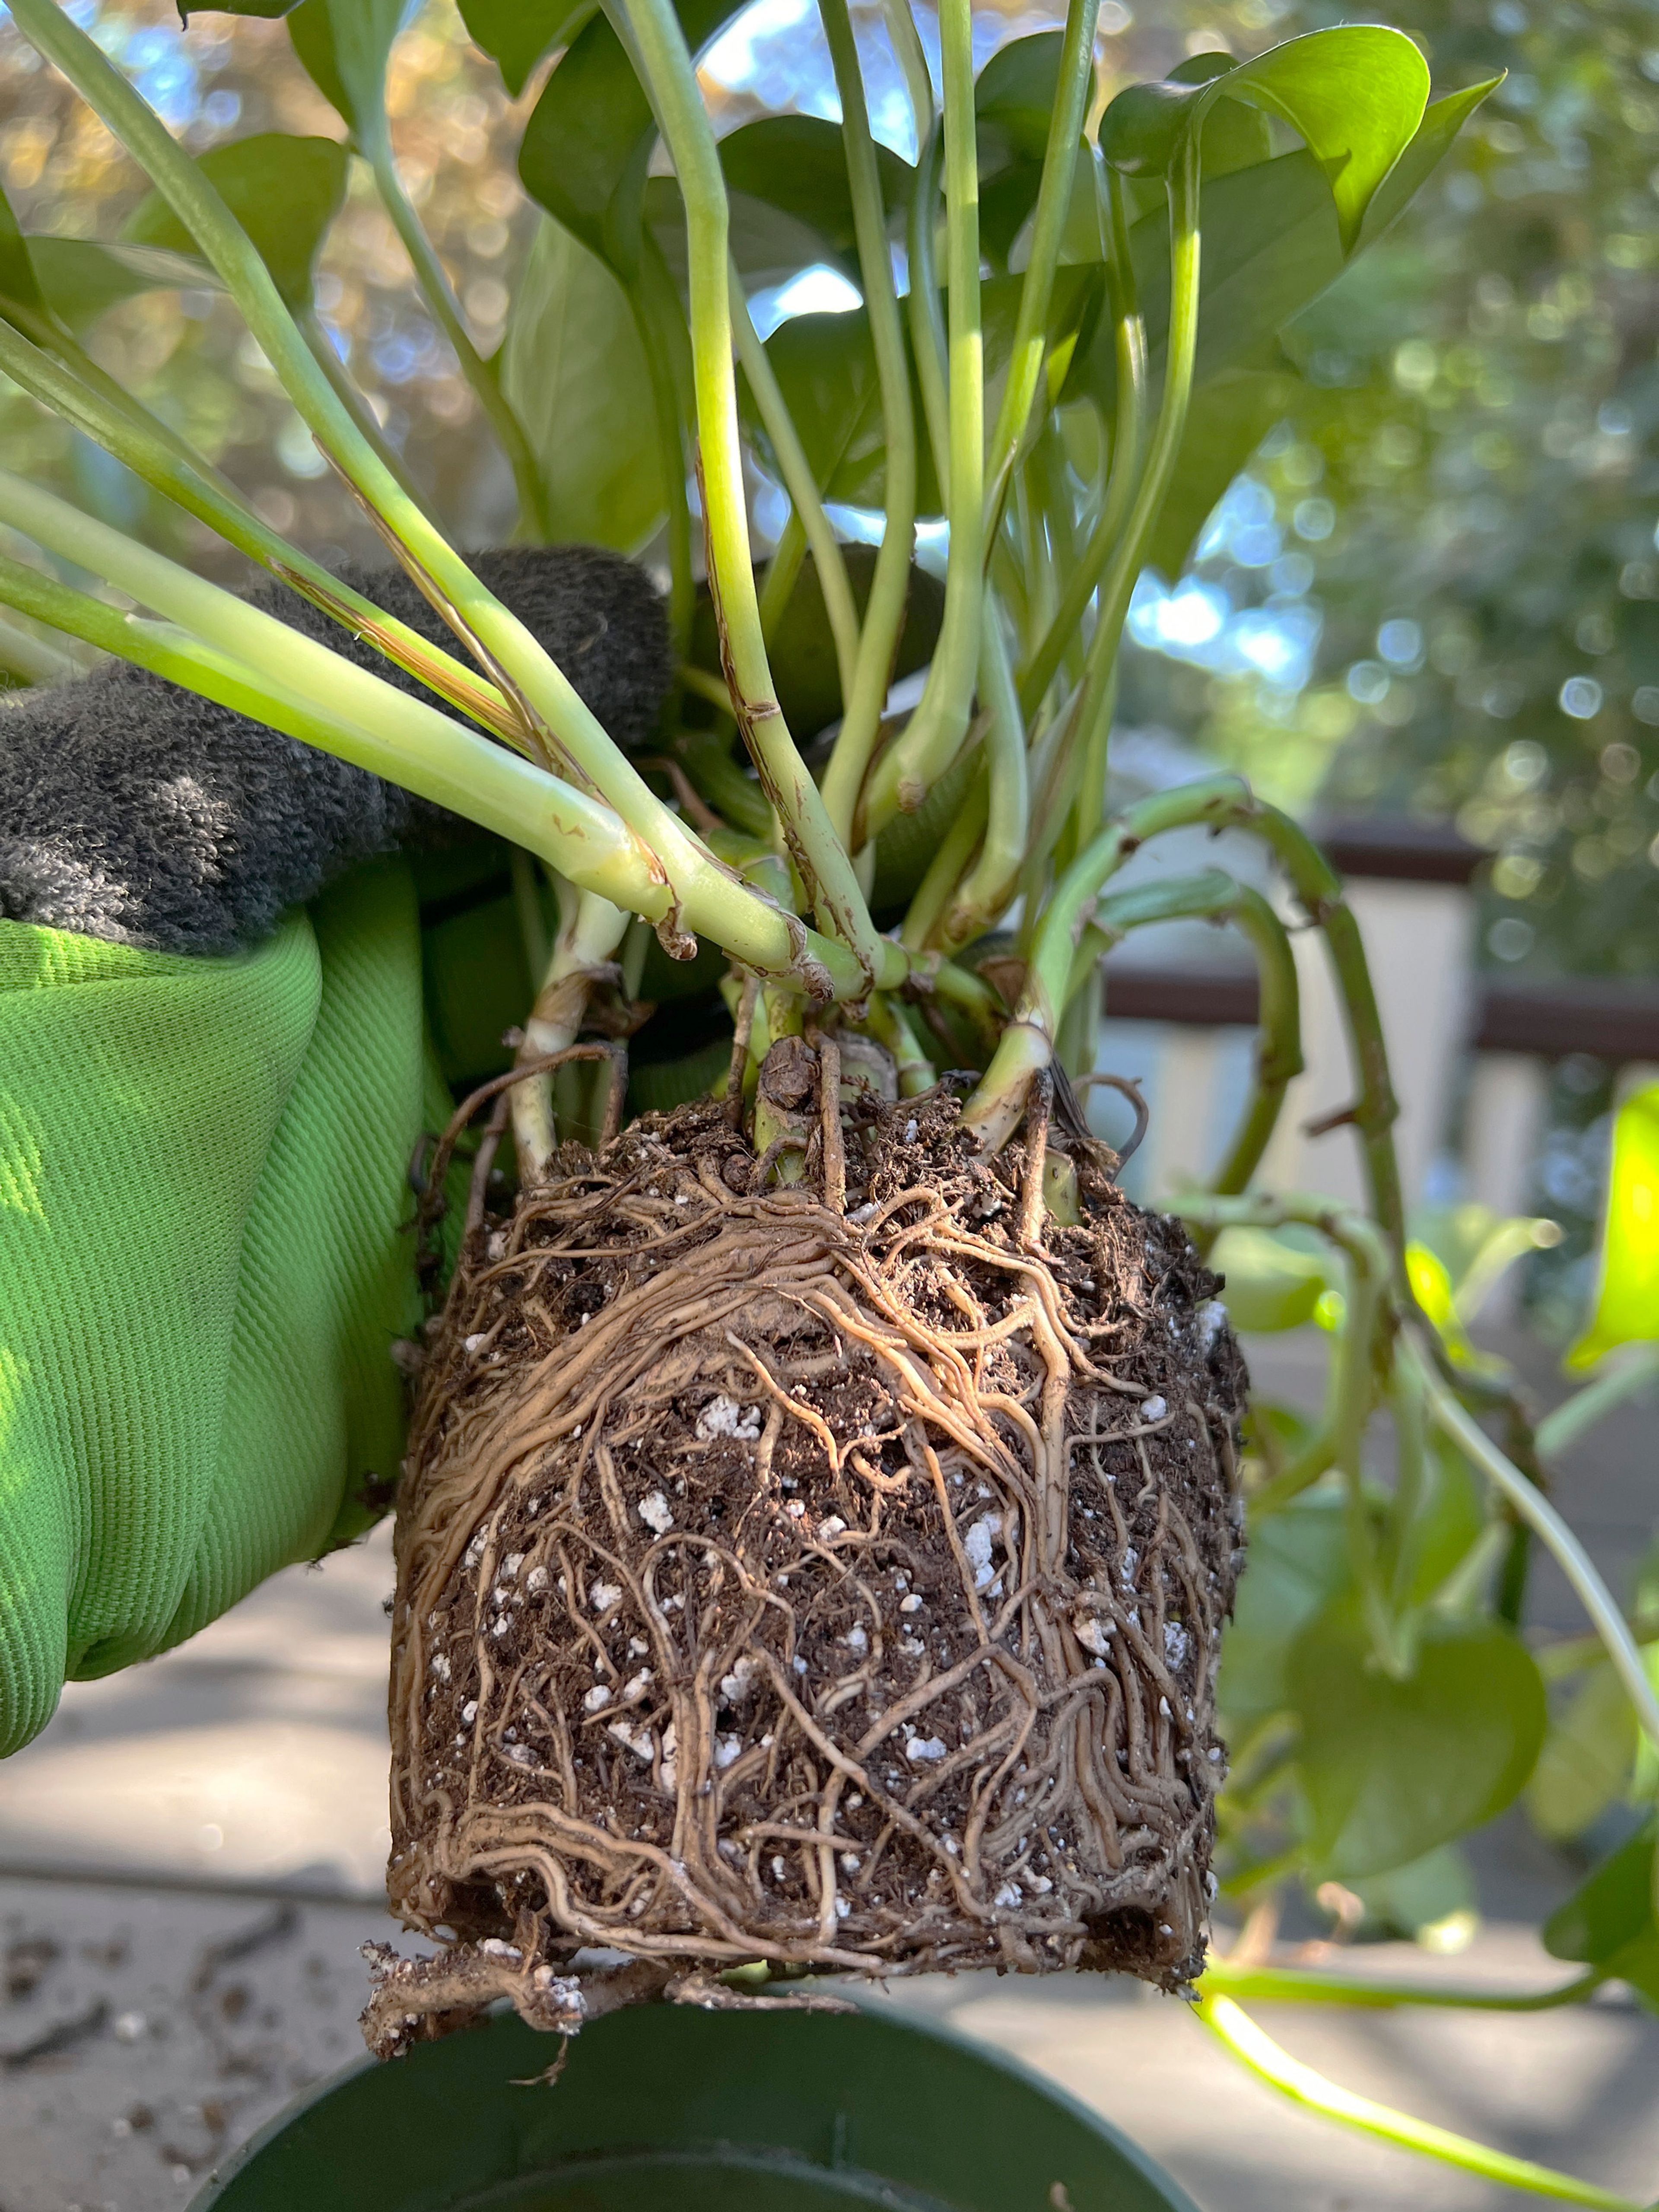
(1626, 1309)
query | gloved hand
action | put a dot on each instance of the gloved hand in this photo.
(212, 1074)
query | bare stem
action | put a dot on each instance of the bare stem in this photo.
(884, 617)
(802, 487)
(824, 866)
(935, 733)
(1077, 79)
(1265, 2059)
(373, 140)
(1129, 347)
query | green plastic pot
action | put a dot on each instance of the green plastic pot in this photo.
(664, 2109)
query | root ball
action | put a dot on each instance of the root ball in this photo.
(838, 1588)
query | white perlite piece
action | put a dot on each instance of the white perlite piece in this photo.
(1175, 1642)
(726, 1749)
(977, 1546)
(639, 1741)
(736, 1686)
(439, 1662)
(1212, 1319)
(1154, 1409)
(597, 1698)
(653, 1510)
(923, 1746)
(1093, 1635)
(602, 1596)
(911, 1604)
(724, 1417)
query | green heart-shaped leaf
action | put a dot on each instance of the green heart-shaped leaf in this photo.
(1297, 1562)
(586, 145)
(516, 34)
(1611, 1921)
(1391, 1770)
(20, 286)
(1356, 94)
(82, 280)
(1227, 418)
(345, 46)
(574, 370)
(1013, 97)
(285, 193)
(798, 164)
(768, 245)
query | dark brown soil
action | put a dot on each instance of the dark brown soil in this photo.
(841, 1590)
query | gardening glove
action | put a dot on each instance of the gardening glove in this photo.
(212, 1073)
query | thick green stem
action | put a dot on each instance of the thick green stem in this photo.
(783, 572)
(35, 658)
(373, 140)
(1318, 888)
(167, 464)
(278, 674)
(1278, 1037)
(889, 1022)
(587, 942)
(1128, 555)
(1265, 2059)
(548, 697)
(1028, 1041)
(661, 327)
(928, 342)
(823, 864)
(1066, 120)
(401, 738)
(985, 892)
(935, 733)
(802, 487)
(944, 870)
(1314, 1985)
(350, 398)
(1129, 347)
(884, 614)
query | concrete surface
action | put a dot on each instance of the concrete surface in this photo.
(190, 1855)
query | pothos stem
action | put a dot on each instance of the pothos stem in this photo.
(824, 866)
(935, 733)
(1077, 81)
(1263, 2056)
(373, 140)
(884, 617)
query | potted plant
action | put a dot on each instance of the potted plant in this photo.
(825, 1491)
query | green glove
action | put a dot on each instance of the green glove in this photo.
(205, 1206)
(203, 1172)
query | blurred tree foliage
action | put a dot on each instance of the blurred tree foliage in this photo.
(1468, 477)
(187, 353)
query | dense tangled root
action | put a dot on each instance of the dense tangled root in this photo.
(841, 1589)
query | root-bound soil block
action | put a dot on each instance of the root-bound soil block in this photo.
(835, 1584)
